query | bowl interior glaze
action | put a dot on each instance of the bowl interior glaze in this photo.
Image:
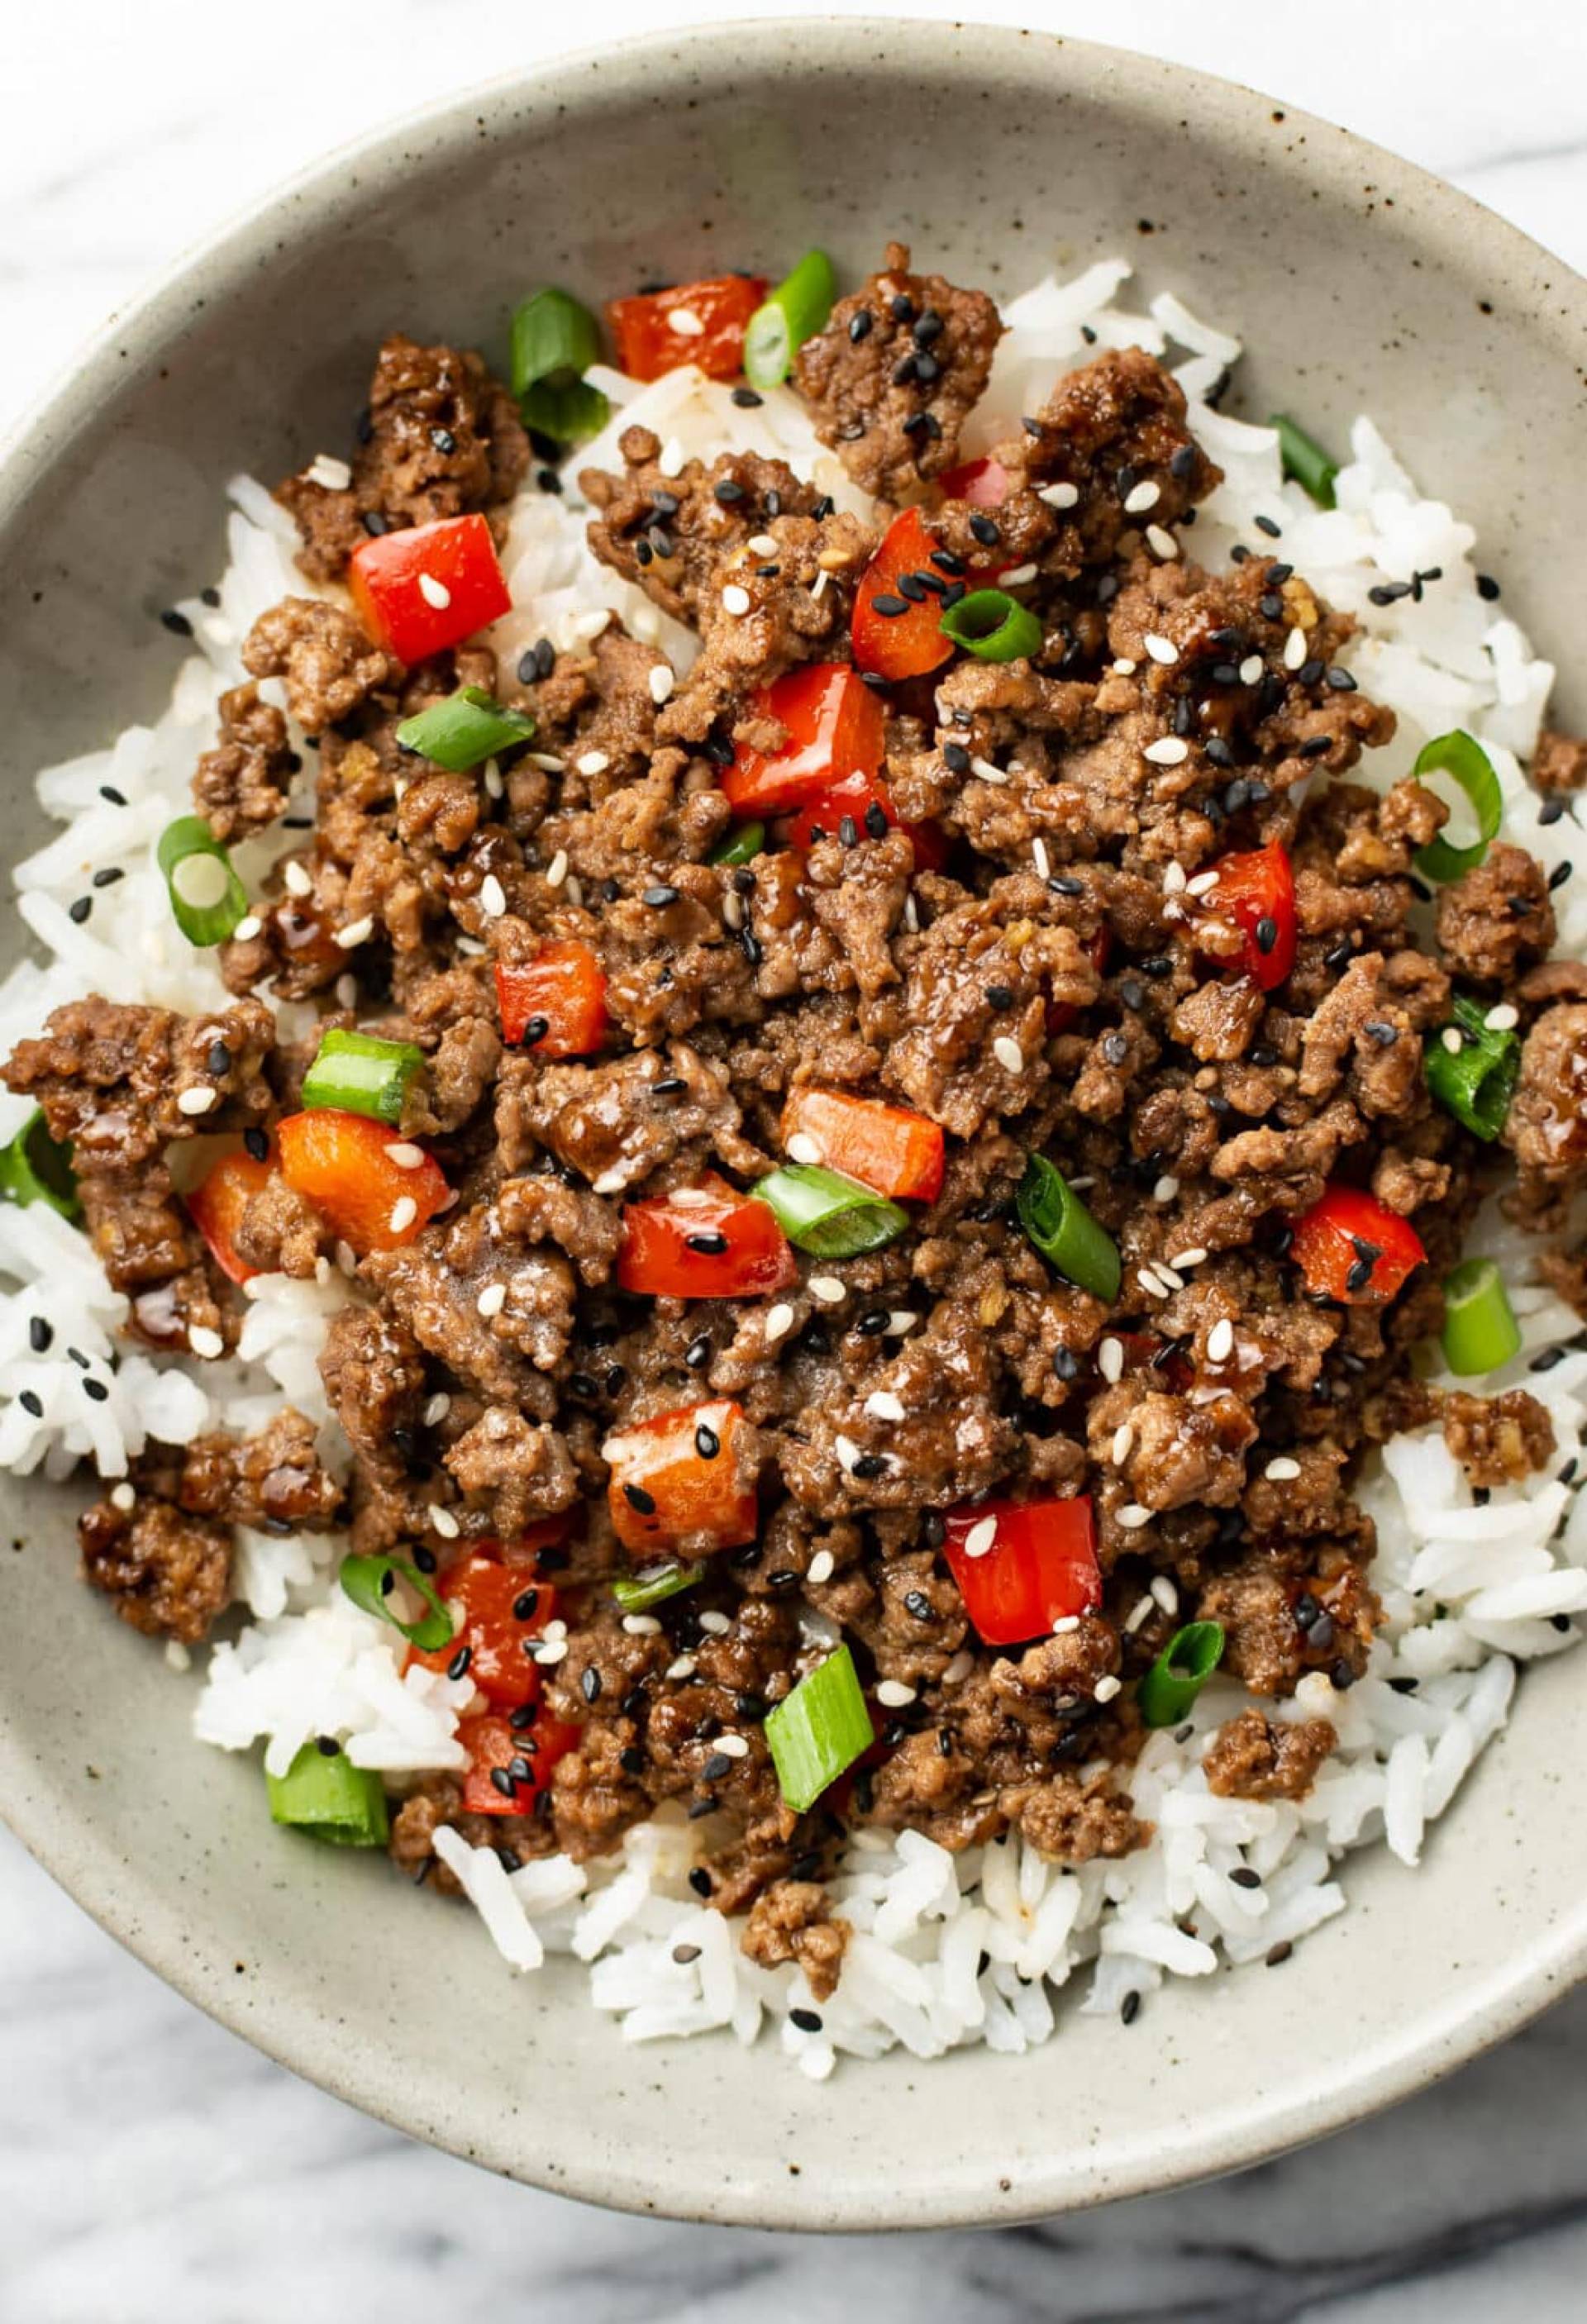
(1359, 284)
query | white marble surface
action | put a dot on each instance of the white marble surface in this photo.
(154, 2167)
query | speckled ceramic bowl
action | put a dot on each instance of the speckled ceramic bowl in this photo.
(1358, 281)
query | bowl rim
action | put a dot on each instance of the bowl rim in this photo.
(1465, 231)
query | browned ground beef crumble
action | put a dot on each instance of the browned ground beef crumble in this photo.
(1206, 1113)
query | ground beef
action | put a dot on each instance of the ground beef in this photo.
(1559, 762)
(327, 665)
(119, 1081)
(242, 784)
(1497, 1440)
(673, 534)
(793, 1921)
(167, 1574)
(896, 373)
(1496, 920)
(1257, 1758)
(1546, 1127)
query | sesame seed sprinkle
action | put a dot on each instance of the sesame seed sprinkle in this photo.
(893, 1695)
(434, 593)
(1008, 1054)
(1110, 1360)
(197, 1099)
(1060, 496)
(492, 1299)
(1017, 576)
(1202, 884)
(296, 878)
(686, 323)
(204, 1341)
(437, 1409)
(1139, 1613)
(736, 600)
(405, 1156)
(640, 1626)
(662, 682)
(1283, 1470)
(1162, 543)
(1295, 648)
(1452, 1040)
(883, 1405)
(980, 1537)
(1141, 497)
(1132, 1516)
(1162, 650)
(827, 1289)
(1123, 1443)
(802, 1147)
(1250, 669)
(492, 898)
(1220, 1341)
(247, 929)
(778, 1321)
(1503, 1018)
(122, 1498)
(1168, 751)
(356, 933)
(403, 1214)
(1107, 1688)
(557, 869)
(1164, 1592)
(443, 1521)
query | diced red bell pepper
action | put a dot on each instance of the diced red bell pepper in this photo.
(565, 990)
(429, 587)
(1062, 1014)
(652, 340)
(895, 1152)
(489, 1595)
(704, 1243)
(1350, 1248)
(341, 1164)
(1253, 905)
(1040, 1567)
(669, 1492)
(492, 1742)
(856, 795)
(890, 644)
(835, 728)
(984, 483)
(216, 1208)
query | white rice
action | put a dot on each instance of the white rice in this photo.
(947, 1949)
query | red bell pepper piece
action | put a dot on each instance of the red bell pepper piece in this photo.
(1350, 1248)
(492, 1742)
(894, 645)
(216, 1207)
(669, 1492)
(897, 1153)
(1039, 1566)
(1252, 906)
(486, 1594)
(856, 795)
(650, 342)
(984, 483)
(340, 1163)
(564, 989)
(704, 1243)
(421, 590)
(834, 729)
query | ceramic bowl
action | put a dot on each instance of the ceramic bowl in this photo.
(1359, 284)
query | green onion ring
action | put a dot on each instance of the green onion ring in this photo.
(637, 1592)
(1065, 1232)
(992, 626)
(206, 897)
(1166, 1694)
(34, 1169)
(356, 1073)
(326, 1796)
(792, 313)
(1479, 1329)
(466, 729)
(826, 1214)
(1459, 756)
(1305, 459)
(367, 1582)
(740, 846)
(819, 1729)
(1476, 1082)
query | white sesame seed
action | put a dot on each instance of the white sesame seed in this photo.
(203, 1341)
(404, 1211)
(1283, 1470)
(763, 544)
(1008, 1054)
(356, 933)
(347, 991)
(987, 771)
(1501, 1019)
(818, 587)
(640, 1626)
(1060, 496)
(555, 1630)
(1162, 650)
(1453, 1039)
(1016, 578)
(1110, 1360)
(493, 896)
(1191, 1258)
(1126, 666)
(733, 911)
(736, 600)
(847, 1452)
(1107, 1688)
(405, 1156)
(779, 1323)
(197, 1099)
(1039, 858)
(611, 1182)
(1202, 884)
(1173, 879)
(1220, 1341)
(715, 1626)
(1250, 669)
(1161, 543)
(1168, 751)
(1064, 1624)
(548, 1656)
(546, 762)
(662, 682)
(557, 869)
(734, 1746)
(893, 1695)
(437, 1409)
(247, 928)
(322, 1270)
(821, 1566)
(802, 1147)
(670, 460)
(1132, 1516)
(980, 1537)
(684, 1668)
(1295, 648)
(1168, 1275)
(347, 1259)
(690, 1198)
(1123, 1442)
(959, 1669)
(883, 1405)
(296, 879)
(1078, 1185)
(902, 1319)
(912, 916)
(443, 1521)
(686, 323)
(1145, 495)
(1164, 1592)
(122, 1498)
(827, 1289)
(326, 469)
(494, 787)
(1138, 1614)
(1167, 1187)
(434, 593)
(1149, 1282)
(490, 1300)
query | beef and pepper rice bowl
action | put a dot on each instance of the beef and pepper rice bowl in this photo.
(802, 1153)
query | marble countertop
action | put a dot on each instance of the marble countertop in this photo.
(156, 2167)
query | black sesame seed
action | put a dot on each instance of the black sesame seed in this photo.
(717, 1766)
(848, 831)
(1388, 593)
(707, 1444)
(746, 399)
(1341, 681)
(40, 1333)
(32, 1403)
(1342, 1676)
(703, 1806)
(1560, 874)
(1487, 586)
(547, 480)
(1267, 933)
(589, 1684)
(917, 1603)
(710, 1243)
(861, 325)
(79, 908)
(502, 1783)
(1000, 997)
(524, 1605)
(177, 624)
(913, 586)
(109, 791)
(751, 946)
(1546, 1360)
(905, 370)
(95, 1390)
(986, 531)
(946, 561)
(1266, 524)
(785, 1578)
(638, 1499)
(108, 877)
(875, 821)
(902, 308)
(889, 607)
(1270, 605)
(374, 523)
(807, 2020)
(659, 898)
(1277, 1955)
(424, 1559)
(460, 1661)
(1316, 746)
(668, 1086)
(1129, 2008)
(699, 1879)
(697, 1352)
(869, 1465)
(632, 1761)
(1360, 1275)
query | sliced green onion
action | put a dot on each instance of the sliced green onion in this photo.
(636, 1592)
(1305, 459)
(570, 412)
(356, 1073)
(1170, 1687)
(1065, 1232)
(819, 1729)
(34, 1169)
(466, 729)
(992, 626)
(553, 338)
(331, 1799)
(368, 1581)
(1476, 1082)
(1479, 1331)
(1457, 755)
(206, 897)
(826, 1214)
(746, 844)
(794, 312)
